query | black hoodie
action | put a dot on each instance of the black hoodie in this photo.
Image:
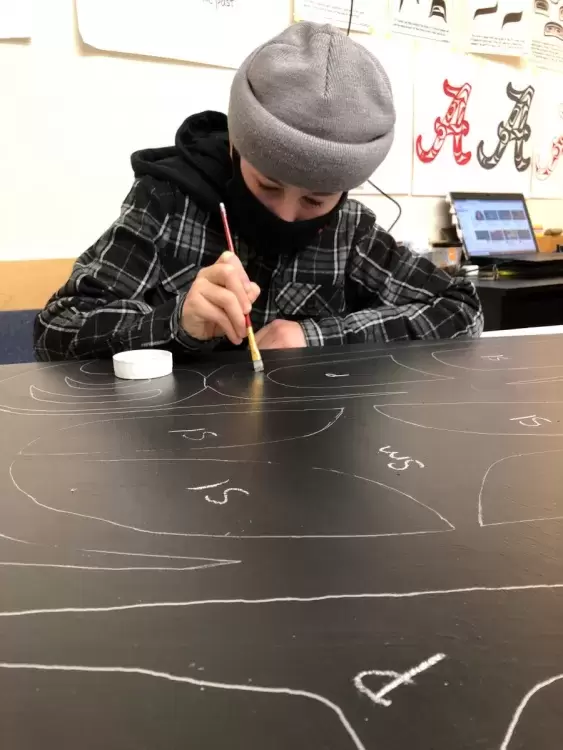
(199, 164)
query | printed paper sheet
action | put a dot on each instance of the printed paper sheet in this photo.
(214, 32)
(394, 176)
(497, 27)
(337, 12)
(426, 19)
(547, 169)
(15, 19)
(472, 126)
(547, 33)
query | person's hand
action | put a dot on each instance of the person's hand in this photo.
(219, 298)
(281, 334)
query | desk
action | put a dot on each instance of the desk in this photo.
(517, 303)
(363, 549)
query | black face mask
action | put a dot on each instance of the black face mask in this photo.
(263, 230)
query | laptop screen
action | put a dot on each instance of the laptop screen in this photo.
(493, 225)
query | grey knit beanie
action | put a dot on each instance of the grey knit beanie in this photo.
(312, 108)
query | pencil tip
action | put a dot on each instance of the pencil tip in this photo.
(258, 365)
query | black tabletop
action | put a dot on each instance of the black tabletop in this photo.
(361, 549)
(519, 284)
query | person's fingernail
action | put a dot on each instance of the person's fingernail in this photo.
(226, 255)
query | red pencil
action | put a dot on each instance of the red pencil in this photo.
(254, 351)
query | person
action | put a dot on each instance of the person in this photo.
(311, 116)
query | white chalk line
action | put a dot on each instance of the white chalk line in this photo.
(153, 532)
(522, 705)
(379, 410)
(197, 683)
(555, 379)
(339, 412)
(117, 399)
(433, 376)
(208, 562)
(392, 489)
(13, 539)
(208, 486)
(21, 411)
(82, 385)
(33, 389)
(491, 467)
(404, 678)
(225, 499)
(122, 569)
(239, 410)
(300, 399)
(489, 369)
(286, 600)
(164, 557)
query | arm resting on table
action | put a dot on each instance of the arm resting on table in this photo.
(102, 308)
(397, 295)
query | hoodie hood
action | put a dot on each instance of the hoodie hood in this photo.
(199, 164)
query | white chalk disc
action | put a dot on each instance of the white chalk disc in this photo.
(142, 364)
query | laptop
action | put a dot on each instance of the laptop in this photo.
(495, 228)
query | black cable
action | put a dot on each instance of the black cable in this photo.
(400, 213)
(350, 17)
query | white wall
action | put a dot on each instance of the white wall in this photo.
(70, 118)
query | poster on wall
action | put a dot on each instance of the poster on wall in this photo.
(497, 27)
(547, 33)
(472, 126)
(15, 19)
(394, 176)
(425, 19)
(214, 32)
(337, 12)
(547, 166)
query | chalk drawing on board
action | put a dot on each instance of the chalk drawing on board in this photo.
(347, 726)
(509, 502)
(100, 398)
(539, 381)
(120, 568)
(390, 595)
(399, 463)
(225, 499)
(122, 496)
(507, 741)
(114, 387)
(37, 394)
(439, 357)
(398, 679)
(196, 433)
(358, 373)
(463, 418)
(203, 431)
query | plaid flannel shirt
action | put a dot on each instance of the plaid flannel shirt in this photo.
(354, 284)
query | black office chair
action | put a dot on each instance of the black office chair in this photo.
(16, 336)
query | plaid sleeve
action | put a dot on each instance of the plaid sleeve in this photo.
(397, 295)
(101, 309)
